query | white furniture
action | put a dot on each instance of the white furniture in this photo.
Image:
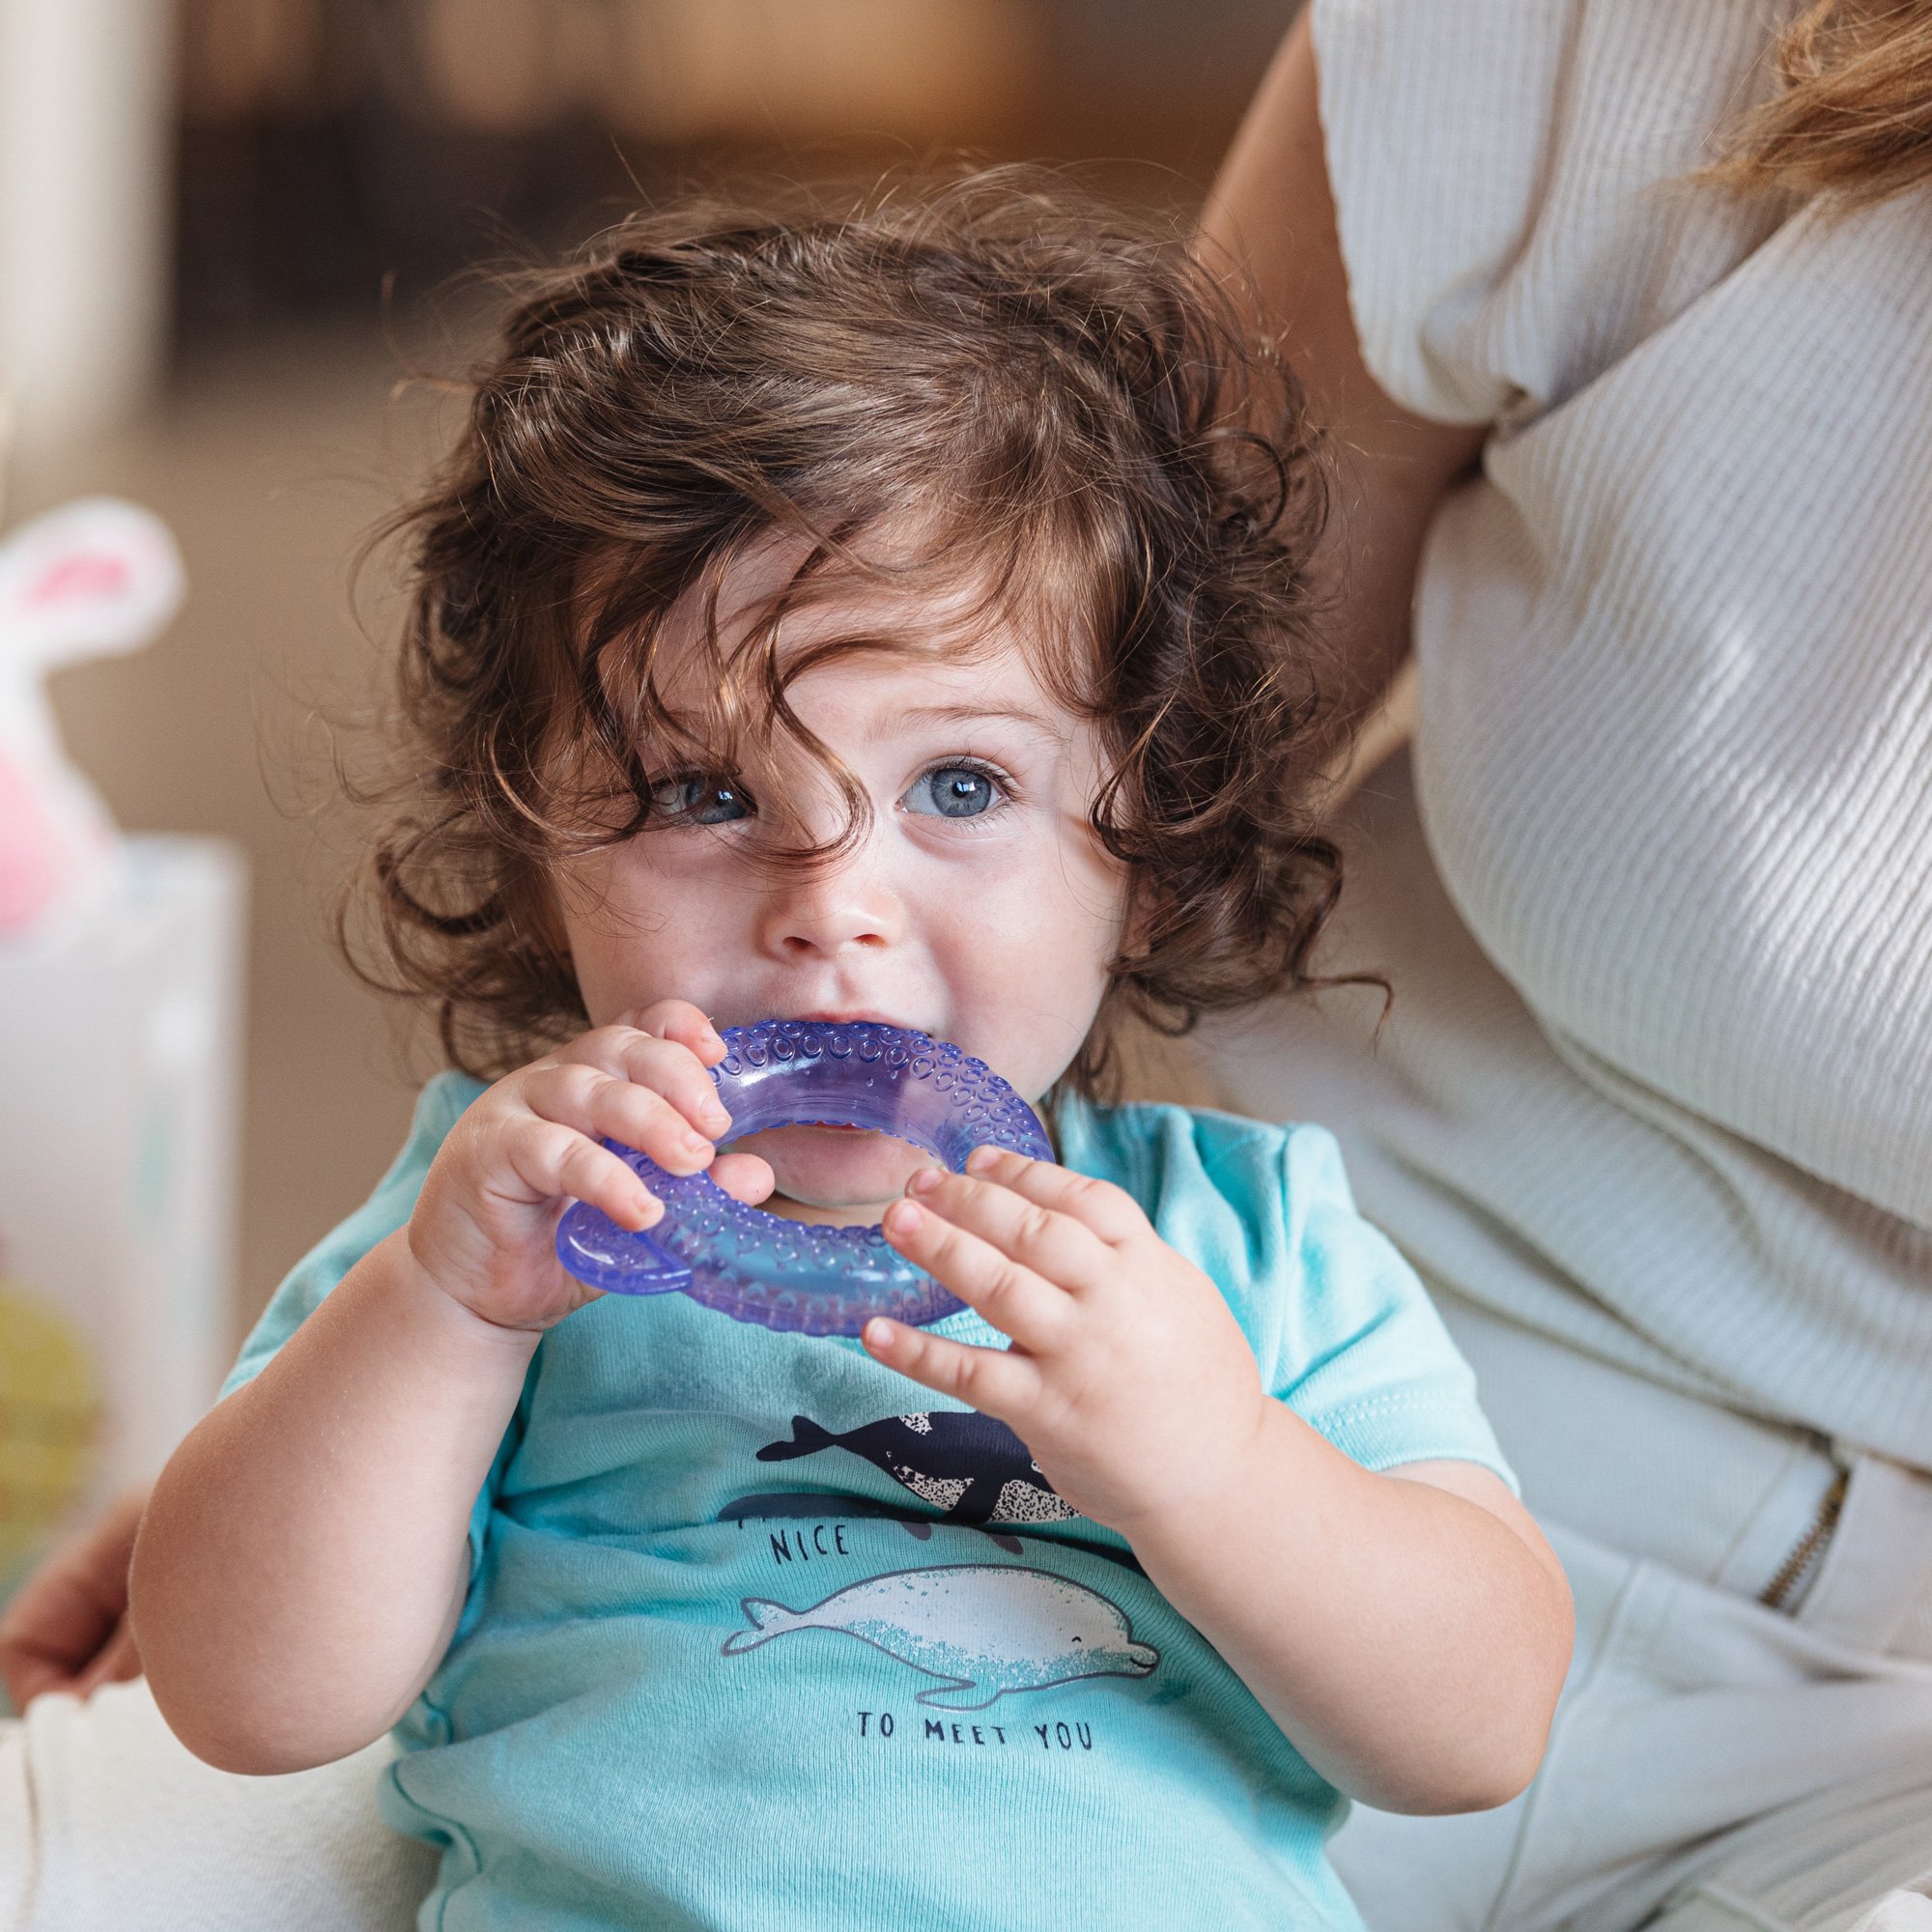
(119, 1046)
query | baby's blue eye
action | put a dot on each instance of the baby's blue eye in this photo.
(699, 801)
(953, 791)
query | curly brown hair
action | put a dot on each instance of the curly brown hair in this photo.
(1062, 403)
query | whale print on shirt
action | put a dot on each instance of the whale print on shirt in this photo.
(985, 1630)
(967, 1464)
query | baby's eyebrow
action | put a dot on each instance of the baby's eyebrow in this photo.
(964, 714)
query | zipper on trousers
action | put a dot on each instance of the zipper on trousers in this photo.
(1805, 1552)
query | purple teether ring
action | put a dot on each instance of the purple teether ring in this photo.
(754, 1267)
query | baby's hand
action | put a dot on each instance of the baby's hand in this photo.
(484, 1224)
(1128, 1379)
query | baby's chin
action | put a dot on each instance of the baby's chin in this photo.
(838, 1175)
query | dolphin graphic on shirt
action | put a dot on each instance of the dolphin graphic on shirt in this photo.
(974, 1468)
(984, 1630)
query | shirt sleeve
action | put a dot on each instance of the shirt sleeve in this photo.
(1513, 183)
(308, 1283)
(1360, 1353)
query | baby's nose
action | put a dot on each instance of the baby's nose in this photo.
(830, 910)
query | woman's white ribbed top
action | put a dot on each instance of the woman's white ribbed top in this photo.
(1674, 763)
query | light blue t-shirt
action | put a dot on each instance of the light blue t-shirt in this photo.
(761, 1635)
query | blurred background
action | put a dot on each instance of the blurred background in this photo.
(230, 228)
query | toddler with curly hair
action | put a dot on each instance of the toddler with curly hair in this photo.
(900, 612)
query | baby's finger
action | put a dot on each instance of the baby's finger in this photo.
(666, 1066)
(1111, 1212)
(744, 1177)
(993, 1380)
(681, 1021)
(1019, 1304)
(553, 1160)
(1064, 1250)
(604, 1107)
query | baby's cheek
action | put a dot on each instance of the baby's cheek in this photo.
(640, 933)
(1027, 1011)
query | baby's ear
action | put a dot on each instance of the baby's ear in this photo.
(93, 579)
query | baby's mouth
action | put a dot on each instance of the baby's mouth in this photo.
(856, 1016)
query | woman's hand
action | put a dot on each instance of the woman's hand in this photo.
(1128, 1379)
(67, 1628)
(484, 1224)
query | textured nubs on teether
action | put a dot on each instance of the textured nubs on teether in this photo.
(892, 1079)
(787, 1274)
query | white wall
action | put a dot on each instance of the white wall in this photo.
(85, 146)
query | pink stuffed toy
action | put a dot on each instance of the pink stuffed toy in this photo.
(94, 579)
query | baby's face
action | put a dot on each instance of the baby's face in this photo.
(976, 906)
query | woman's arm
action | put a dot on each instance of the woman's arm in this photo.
(1271, 217)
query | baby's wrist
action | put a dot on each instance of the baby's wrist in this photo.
(1194, 1513)
(449, 1312)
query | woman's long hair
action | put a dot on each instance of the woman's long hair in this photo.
(1854, 114)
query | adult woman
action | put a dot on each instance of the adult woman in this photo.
(1653, 1105)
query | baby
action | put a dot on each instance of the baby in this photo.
(897, 613)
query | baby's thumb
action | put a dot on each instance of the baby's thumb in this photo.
(744, 1177)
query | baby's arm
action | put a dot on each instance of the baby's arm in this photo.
(1409, 1632)
(304, 1556)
